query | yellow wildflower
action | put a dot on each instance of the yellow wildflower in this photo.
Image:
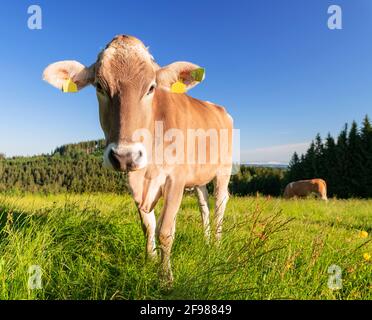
(289, 266)
(366, 256)
(363, 234)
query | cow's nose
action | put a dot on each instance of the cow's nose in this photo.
(118, 161)
(131, 158)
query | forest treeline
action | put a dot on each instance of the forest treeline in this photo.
(344, 162)
(78, 168)
(73, 168)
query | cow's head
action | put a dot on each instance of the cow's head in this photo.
(126, 79)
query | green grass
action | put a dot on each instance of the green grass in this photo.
(92, 247)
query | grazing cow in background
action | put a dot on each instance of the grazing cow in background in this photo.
(140, 114)
(304, 188)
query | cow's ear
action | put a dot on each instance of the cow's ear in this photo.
(179, 77)
(69, 76)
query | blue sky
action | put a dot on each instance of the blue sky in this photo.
(277, 68)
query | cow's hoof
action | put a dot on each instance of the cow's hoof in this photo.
(166, 286)
(166, 280)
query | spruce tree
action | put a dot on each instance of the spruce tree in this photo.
(309, 162)
(355, 162)
(342, 165)
(329, 161)
(366, 174)
(319, 170)
(294, 169)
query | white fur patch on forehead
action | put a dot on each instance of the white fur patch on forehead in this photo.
(125, 50)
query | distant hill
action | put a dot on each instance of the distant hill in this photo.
(93, 147)
(267, 165)
(70, 168)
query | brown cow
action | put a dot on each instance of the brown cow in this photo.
(304, 188)
(150, 133)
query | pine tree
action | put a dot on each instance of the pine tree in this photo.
(294, 169)
(342, 165)
(319, 158)
(309, 162)
(366, 173)
(355, 162)
(329, 161)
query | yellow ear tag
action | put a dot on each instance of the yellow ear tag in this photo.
(198, 74)
(178, 87)
(69, 86)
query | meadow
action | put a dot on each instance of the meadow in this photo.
(91, 246)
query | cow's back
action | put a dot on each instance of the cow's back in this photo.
(184, 112)
(304, 188)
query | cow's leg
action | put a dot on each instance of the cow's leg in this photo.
(173, 192)
(202, 194)
(146, 194)
(324, 193)
(221, 195)
(148, 226)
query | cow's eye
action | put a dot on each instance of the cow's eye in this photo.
(152, 88)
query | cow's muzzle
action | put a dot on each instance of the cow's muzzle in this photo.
(126, 157)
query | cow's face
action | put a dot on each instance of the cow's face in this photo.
(126, 79)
